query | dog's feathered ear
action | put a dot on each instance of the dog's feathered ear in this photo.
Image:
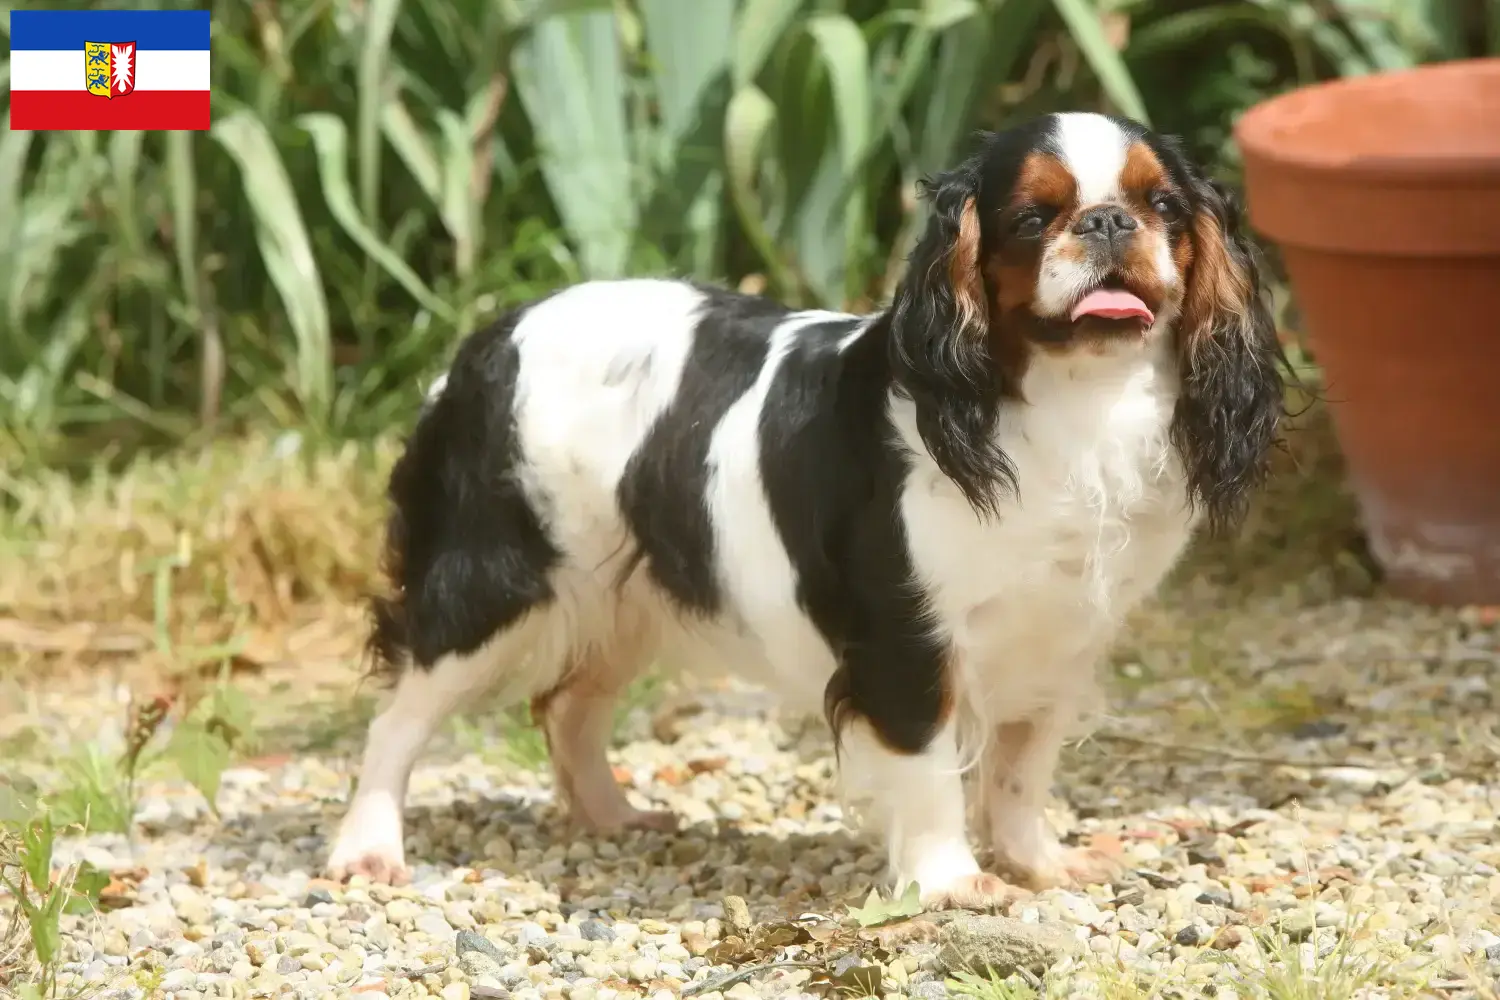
(941, 344)
(1227, 418)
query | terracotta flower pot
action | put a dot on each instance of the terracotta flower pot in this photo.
(1383, 193)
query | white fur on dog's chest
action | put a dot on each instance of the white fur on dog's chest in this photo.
(1032, 596)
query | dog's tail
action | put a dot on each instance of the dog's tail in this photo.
(466, 553)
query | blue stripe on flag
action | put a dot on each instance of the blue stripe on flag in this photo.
(67, 30)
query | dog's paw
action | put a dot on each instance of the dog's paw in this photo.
(979, 891)
(375, 864)
(653, 820)
(1068, 868)
(369, 843)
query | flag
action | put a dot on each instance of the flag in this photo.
(109, 69)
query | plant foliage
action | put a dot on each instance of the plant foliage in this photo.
(384, 174)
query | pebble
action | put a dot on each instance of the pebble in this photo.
(1218, 854)
(593, 930)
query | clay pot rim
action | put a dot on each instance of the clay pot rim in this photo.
(1257, 133)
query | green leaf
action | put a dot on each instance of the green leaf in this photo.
(760, 25)
(35, 854)
(747, 122)
(938, 15)
(878, 910)
(183, 185)
(330, 140)
(14, 147)
(834, 203)
(45, 936)
(413, 148)
(50, 220)
(124, 162)
(15, 808)
(458, 210)
(1082, 19)
(691, 47)
(88, 883)
(201, 757)
(231, 716)
(92, 793)
(286, 253)
(379, 21)
(571, 80)
(1196, 27)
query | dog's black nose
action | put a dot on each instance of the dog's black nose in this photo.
(1104, 222)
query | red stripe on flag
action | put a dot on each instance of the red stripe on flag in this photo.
(78, 109)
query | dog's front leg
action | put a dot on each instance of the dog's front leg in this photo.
(914, 798)
(1019, 761)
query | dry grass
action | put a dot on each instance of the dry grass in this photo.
(15, 936)
(251, 549)
(260, 551)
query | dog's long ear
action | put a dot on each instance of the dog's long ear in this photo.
(941, 344)
(1233, 397)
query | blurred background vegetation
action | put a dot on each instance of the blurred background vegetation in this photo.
(384, 174)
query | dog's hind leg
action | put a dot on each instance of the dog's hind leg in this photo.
(577, 718)
(370, 838)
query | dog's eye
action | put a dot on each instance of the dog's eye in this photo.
(1167, 205)
(1029, 222)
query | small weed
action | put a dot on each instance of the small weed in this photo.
(1284, 969)
(525, 745)
(967, 984)
(516, 743)
(879, 910)
(1292, 963)
(645, 692)
(521, 742)
(99, 791)
(92, 791)
(31, 941)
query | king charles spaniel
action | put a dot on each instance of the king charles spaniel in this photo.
(928, 521)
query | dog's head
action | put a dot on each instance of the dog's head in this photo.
(1086, 234)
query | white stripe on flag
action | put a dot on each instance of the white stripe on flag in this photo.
(160, 69)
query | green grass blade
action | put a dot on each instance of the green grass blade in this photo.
(690, 47)
(846, 59)
(1082, 19)
(182, 183)
(52, 219)
(183, 190)
(690, 50)
(35, 401)
(286, 252)
(570, 77)
(972, 57)
(759, 27)
(940, 15)
(413, 148)
(124, 162)
(374, 79)
(330, 141)
(458, 185)
(1375, 28)
(747, 122)
(14, 147)
(1196, 27)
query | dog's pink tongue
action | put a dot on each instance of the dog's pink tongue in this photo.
(1111, 303)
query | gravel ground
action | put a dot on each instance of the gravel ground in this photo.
(1304, 792)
